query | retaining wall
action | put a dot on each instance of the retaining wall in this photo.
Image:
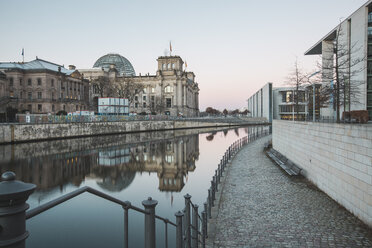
(335, 157)
(34, 132)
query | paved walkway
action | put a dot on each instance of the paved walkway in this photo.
(261, 206)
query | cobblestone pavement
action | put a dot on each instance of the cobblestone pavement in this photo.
(263, 207)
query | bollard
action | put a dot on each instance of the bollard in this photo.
(206, 214)
(126, 237)
(188, 220)
(215, 184)
(179, 236)
(209, 204)
(204, 228)
(150, 205)
(195, 224)
(13, 206)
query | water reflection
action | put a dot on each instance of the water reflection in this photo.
(164, 165)
(112, 167)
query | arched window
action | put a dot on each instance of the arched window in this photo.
(169, 66)
(164, 66)
(173, 66)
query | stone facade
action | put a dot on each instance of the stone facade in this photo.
(40, 86)
(172, 91)
(335, 157)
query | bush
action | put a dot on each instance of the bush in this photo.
(61, 112)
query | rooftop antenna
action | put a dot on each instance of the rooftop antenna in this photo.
(23, 55)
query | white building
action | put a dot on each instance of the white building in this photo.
(260, 103)
(355, 34)
(277, 103)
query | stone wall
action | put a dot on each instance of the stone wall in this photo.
(34, 132)
(335, 157)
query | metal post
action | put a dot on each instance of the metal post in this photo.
(204, 228)
(126, 237)
(187, 220)
(13, 206)
(166, 232)
(195, 224)
(206, 219)
(209, 204)
(150, 205)
(314, 102)
(179, 236)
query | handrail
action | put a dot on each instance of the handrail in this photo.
(42, 208)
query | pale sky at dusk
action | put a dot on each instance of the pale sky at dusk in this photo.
(233, 47)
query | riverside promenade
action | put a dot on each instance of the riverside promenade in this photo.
(258, 205)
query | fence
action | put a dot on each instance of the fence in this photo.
(191, 227)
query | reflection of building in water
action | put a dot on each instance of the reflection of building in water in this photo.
(170, 159)
(113, 168)
(51, 172)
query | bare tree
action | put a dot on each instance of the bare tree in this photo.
(157, 105)
(299, 80)
(341, 85)
(125, 87)
(102, 86)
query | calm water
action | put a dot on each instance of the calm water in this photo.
(163, 165)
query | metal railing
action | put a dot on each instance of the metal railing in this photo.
(191, 227)
(57, 119)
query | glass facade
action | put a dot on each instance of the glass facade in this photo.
(122, 65)
(369, 64)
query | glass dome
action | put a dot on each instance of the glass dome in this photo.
(123, 65)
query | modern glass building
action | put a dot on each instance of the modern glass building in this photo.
(122, 65)
(350, 43)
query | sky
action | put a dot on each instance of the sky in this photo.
(233, 47)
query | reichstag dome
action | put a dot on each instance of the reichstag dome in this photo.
(123, 65)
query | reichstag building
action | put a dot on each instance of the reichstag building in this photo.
(171, 91)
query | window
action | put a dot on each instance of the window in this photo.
(168, 89)
(169, 66)
(173, 66)
(11, 82)
(288, 96)
(144, 98)
(29, 107)
(153, 90)
(168, 102)
(29, 82)
(20, 81)
(39, 107)
(144, 105)
(21, 94)
(136, 105)
(136, 98)
(52, 95)
(29, 95)
(52, 83)
(39, 81)
(77, 107)
(61, 96)
(53, 108)
(145, 90)
(11, 93)
(164, 66)
(39, 95)
(64, 108)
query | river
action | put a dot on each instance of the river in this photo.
(164, 165)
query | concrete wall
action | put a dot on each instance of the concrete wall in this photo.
(335, 157)
(260, 103)
(24, 133)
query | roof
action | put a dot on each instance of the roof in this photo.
(122, 65)
(37, 64)
(317, 48)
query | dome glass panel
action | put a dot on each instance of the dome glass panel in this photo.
(123, 65)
